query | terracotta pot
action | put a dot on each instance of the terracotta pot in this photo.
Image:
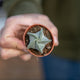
(30, 50)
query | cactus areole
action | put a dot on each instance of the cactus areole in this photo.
(39, 40)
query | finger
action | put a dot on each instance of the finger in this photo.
(55, 35)
(9, 53)
(11, 42)
(26, 57)
(27, 19)
(56, 42)
(19, 20)
(46, 22)
(53, 30)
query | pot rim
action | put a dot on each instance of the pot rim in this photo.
(51, 36)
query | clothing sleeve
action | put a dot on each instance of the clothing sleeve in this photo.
(16, 7)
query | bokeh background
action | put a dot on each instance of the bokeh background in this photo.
(64, 62)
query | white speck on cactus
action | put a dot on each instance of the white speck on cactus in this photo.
(38, 40)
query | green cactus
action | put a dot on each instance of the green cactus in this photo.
(38, 40)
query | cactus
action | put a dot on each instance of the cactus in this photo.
(38, 40)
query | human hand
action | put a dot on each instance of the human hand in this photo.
(11, 35)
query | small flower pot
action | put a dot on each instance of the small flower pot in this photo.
(48, 48)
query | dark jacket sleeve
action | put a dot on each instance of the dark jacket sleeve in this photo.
(16, 7)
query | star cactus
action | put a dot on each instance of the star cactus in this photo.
(38, 40)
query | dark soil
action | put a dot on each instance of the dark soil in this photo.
(46, 33)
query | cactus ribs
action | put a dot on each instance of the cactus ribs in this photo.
(46, 33)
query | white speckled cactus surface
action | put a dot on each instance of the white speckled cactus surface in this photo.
(38, 40)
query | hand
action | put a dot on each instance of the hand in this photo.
(11, 35)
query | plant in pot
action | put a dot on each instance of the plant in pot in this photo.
(39, 40)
